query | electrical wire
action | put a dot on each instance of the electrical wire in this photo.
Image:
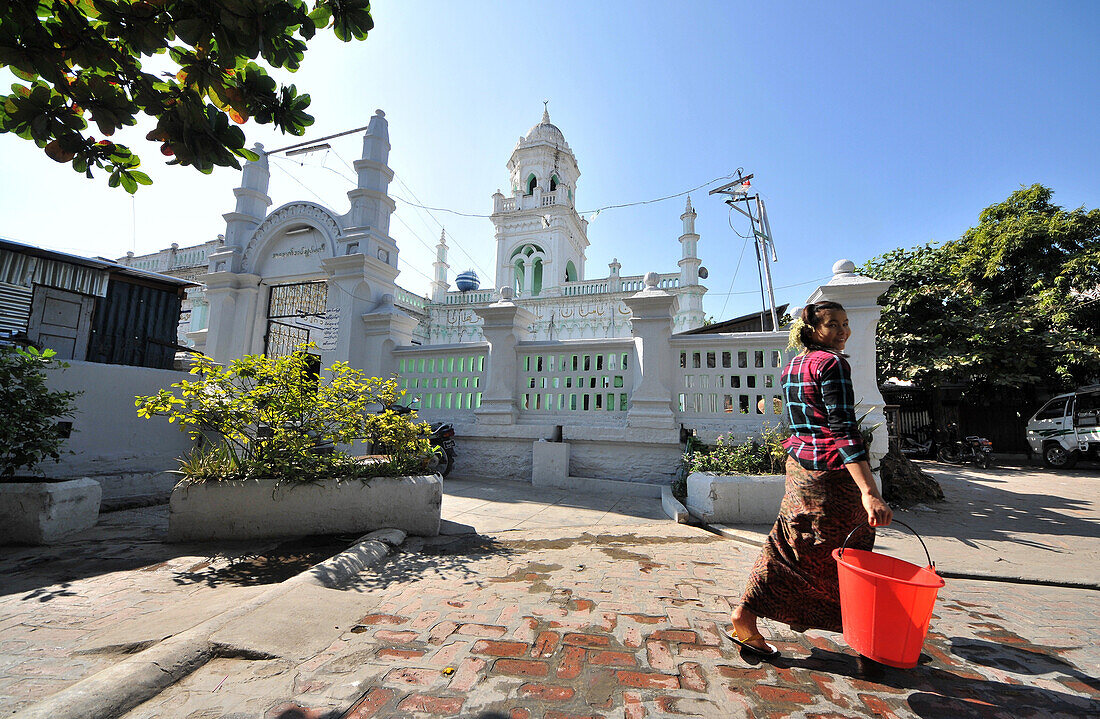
(456, 242)
(739, 258)
(304, 186)
(781, 287)
(581, 212)
(434, 218)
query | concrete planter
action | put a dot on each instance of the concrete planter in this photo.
(735, 499)
(44, 512)
(268, 508)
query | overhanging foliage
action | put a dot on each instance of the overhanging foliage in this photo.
(81, 61)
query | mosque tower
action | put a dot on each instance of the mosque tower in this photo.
(690, 314)
(440, 267)
(541, 240)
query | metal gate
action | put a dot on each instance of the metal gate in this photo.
(295, 314)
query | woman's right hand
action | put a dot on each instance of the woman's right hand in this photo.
(879, 513)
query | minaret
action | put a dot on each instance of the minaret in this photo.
(689, 313)
(689, 248)
(250, 211)
(439, 284)
(371, 205)
(541, 239)
(614, 279)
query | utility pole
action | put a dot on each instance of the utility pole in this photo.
(738, 192)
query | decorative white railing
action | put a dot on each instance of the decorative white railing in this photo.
(588, 287)
(729, 376)
(472, 297)
(575, 378)
(403, 297)
(445, 378)
(508, 204)
(550, 198)
(636, 283)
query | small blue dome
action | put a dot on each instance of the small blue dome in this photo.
(467, 281)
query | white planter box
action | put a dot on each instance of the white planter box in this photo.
(735, 499)
(44, 512)
(267, 508)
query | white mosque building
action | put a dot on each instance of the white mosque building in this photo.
(541, 257)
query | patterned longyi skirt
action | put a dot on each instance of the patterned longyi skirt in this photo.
(795, 579)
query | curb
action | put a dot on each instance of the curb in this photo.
(753, 539)
(119, 688)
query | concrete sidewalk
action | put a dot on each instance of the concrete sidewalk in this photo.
(539, 603)
(1015, 523)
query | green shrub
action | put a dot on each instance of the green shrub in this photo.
(763, 456)
(273, 418)
(29, 410)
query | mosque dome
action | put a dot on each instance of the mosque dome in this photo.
(545, 130)
(467, 281)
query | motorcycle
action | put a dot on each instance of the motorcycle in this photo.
(972, 448)
(442, 438)
(921, 443)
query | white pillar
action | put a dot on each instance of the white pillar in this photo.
(651, 313)
(384, 328)
(859, 296)
(232, 299)
(505, 324)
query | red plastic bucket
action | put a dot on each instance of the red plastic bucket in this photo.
(885, 603)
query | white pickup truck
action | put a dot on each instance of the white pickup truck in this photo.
(1067, 428)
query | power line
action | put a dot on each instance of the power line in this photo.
(781, 287)
(739, 258)
(411, 192)
(456, 242)
(304, 186)
(582, 212)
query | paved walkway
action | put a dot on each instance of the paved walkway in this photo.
(1017, 522)
(561, 605)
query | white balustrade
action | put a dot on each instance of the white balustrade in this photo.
(446, 378)
(734, 376)
(575, 378)
(470, 298)
(550, 198)
(410, 299)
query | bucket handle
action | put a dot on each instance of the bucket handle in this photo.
(895, 521)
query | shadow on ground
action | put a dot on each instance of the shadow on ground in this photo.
(135, 540)
(981, 505)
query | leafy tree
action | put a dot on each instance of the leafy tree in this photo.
(1011, 303)
(82, 60)
(29, 410)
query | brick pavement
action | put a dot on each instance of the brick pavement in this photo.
(626, 622)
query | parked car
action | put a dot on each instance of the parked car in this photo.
(1067, 428)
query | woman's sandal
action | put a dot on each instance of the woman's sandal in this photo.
(769, 653)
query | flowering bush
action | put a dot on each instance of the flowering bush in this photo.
(274, 418)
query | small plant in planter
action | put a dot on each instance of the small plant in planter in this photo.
(30, 432)
(755, 457)
(274, 418)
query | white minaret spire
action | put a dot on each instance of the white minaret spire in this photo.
(689, 248)
(690, 313)
(439, 284)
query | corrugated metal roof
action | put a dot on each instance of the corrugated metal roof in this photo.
(17, 269)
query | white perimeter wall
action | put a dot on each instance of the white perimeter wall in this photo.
(108, 436)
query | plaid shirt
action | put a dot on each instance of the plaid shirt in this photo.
(820, 406)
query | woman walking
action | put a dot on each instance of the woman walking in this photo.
(829, 489)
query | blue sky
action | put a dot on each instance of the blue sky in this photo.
(868, 126)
